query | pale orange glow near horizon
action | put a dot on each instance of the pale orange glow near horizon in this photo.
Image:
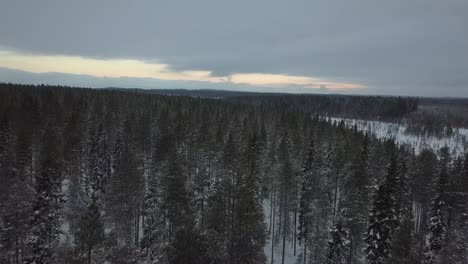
(116, 68)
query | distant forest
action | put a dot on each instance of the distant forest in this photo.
(120, 176)
(423, 116)
(350, 106)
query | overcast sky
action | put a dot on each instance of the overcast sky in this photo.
(398, 47)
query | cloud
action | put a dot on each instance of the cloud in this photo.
(131, 68)
(282, 80)
(391, 47)
(17, 76)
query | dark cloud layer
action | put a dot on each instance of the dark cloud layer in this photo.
(393, 47)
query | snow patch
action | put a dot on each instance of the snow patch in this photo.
(457, 143)
(289, 257)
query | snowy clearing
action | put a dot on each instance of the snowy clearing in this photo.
(457, 143)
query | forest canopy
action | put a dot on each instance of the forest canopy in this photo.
(96, 176)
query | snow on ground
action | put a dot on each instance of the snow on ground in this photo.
(277, 255)
(457, 143)
(65, 226)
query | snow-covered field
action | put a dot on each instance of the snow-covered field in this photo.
(457, 143)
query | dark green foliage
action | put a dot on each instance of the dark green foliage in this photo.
(45, 220)
(355, 206)
(154, 239)
(90, 231)
(438, 213)
(383, 219)
(188, 246)
(102, 176)
(338, 245)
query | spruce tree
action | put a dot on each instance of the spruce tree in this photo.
(98, 162)
(309, 169)
(356, 198)
(16, 217)
(250, 231)
(15, 195)
(188, 246)
(90, 231)
(177, 200)
(383, 219)
(45, 227)
(217, 217)
(154, 240)
(403, 240)
(126, 192)
(438, 213)
(285, 194)
(338, 245)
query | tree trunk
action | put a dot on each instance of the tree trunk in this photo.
(295, 224)
(233, 205)
(16, 249)
(22, 247)
(273, 227)
(305, 249)
(350, 257)
(16, 234)
(89, 255)
(271, 212)
(285, 215)
(335, 202)
(295, 229)
(137, 225)
(316, 239)
(202, 209)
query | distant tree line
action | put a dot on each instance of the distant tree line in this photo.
(438, 119)
(383, 108)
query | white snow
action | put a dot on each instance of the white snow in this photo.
(65, 226)
(289, 257)
(457, 143)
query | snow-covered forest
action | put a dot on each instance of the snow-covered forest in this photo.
(456, 140)
(109, 176)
